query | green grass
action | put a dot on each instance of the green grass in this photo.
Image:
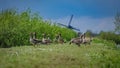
(96, 55)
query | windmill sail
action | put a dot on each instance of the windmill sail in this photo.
(62, 25)
(70, 20)
(69, 26)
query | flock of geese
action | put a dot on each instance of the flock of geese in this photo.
(45, 40)
(81, 39)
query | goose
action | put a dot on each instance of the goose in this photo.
(86, 40)
(56, 38)
(33, 40)
(60, 39)
(77, 41)
(48, 38)
(34, 35)
(44, 39)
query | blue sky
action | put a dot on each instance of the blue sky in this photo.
(95, 15)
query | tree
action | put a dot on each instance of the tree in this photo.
(117, 23)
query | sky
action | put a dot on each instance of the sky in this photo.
(95, 15)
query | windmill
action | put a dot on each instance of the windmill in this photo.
(69, 26)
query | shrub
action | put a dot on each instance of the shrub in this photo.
(110, 36)
(15, 28)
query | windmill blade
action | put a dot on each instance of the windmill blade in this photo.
(62, 25)
(70, 20)
(75, 28)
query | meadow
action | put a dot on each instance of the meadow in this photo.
(17, 52)
(96, 55)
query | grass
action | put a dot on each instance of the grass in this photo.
(95, 55)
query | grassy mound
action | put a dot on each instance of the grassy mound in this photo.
(96, 55)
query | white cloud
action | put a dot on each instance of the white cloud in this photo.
(88, 23)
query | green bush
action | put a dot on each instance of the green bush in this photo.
(110, 36)
(15, 28)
